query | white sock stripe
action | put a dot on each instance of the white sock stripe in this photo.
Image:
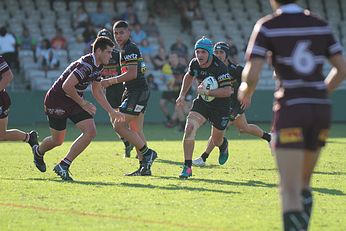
(295, 221)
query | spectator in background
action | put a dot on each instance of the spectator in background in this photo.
(59, 42)
(151, 82)
(159, 59)
(81, 18)
(99, 18)
(179, 47)
(138, 34)
(129, 15)
(26, 41)
(177, 72)
(189, 11)
(150, 28)
(8, 48)
(147, 51)
(89, 34)
(47, 57)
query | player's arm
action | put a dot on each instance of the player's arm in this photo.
(69, 87)
(222, 92)
(7, 77)
(129, 75)
(186, 84)
(337, 74)
(250, 78)
(100, 97)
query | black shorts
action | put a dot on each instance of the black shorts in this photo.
(170, 96)
(5, 103)
(302, 126)
(218, 117)
(59, 124)
(235, 110)
(134, 101)
(114, 94)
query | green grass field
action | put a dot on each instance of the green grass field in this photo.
(242, 195)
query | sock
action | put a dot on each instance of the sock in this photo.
(126, 143)
(27, 137)
(140, 164)
(65, 162)
(188, 163)
(223, 145)
(168, 117)
(205, 156)
(307, 205)
(266, 136)
(144, 150)
(293, 221)
(37, 151)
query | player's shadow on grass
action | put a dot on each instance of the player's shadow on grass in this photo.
(171, 162)
(256, 183)
(315, 172)
(174, 187)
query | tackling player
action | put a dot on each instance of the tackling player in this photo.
(216, 112)
(64, 100)
(236, 113)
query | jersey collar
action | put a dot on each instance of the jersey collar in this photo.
(291, 8)
(94, 59)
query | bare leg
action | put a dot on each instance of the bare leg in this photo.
(290, 163)
(244, 127)
(88, 129)
(55, 139)
(12, 134)
(194, 121)
(124, 131)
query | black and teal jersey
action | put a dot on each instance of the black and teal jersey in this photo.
(219, 71)
(131, 55)
(235, 71)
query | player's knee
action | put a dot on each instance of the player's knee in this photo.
(134, 126)
(58, 141)
(188, 129)
(191, 129)
(91, 134)
(242, 130)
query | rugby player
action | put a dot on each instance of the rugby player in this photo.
(203, 65)
(114, 93)
(135, 99)
(236, 113)
(299, 42)
(6, 77)
(64, 100)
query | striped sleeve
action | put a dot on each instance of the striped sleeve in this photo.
(83, 70)
(258, 43)
(3, 65)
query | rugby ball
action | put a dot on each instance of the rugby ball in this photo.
(209, 83)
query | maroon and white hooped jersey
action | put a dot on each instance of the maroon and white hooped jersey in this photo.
(299, 42)
(3, 66)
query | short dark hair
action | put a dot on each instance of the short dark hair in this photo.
(283, 2)
(102, 42)
(120, 24)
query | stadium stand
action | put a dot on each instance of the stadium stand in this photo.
(220, 20)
